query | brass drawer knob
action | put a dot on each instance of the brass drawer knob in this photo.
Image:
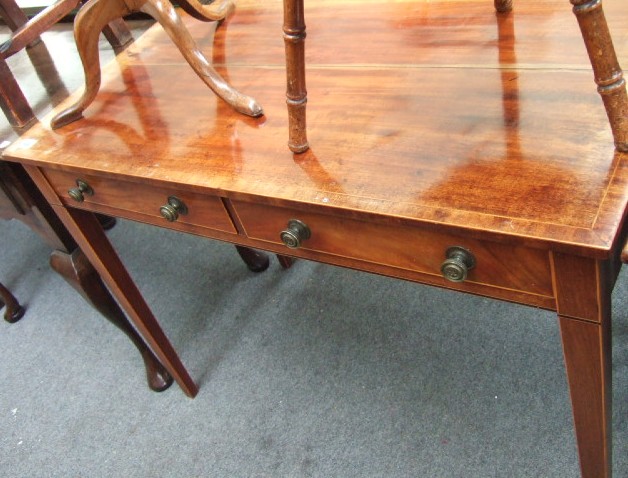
(296, 232)
(171, 211)
(458, 263)
(78, 193)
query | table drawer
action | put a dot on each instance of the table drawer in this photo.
(142, 202)
(402, 247)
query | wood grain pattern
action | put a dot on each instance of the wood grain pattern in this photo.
(595, 33)
(140, 202)
(512, 178)
(396, 246)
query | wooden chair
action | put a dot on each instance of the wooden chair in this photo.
(26, 33)
(597, 39)
(14, 311)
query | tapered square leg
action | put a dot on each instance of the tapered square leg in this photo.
(583, 289)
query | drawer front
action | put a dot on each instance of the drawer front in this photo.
(408, 248)
(142, 202)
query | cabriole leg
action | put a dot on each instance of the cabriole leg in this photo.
(79, 273)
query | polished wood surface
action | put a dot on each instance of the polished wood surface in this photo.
(455, 127)
(595, 33)
(364, 118)
(26, 33)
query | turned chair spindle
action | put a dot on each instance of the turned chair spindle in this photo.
(14, 311)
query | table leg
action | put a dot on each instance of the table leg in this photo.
(79, 273)
(608, 73)
(256, 261)
(583, 290)
(296, 95)
(12, 14)
(91, 239)
(89, 22)
(96, 14)
(14, 310)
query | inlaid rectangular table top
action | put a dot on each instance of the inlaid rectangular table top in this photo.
(442, 114)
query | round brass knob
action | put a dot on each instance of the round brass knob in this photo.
(458, 263)
(78, 193)
(171, 211)
(296, 232)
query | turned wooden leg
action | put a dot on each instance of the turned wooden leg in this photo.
(167, 16)
(79, 273)
(296, 94)
(14, 310)
(503, 5)
(88, 24)
(583, 290)
(608, 74)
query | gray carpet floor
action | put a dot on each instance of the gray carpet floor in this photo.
(315, 371)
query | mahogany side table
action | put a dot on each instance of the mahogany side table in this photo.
(467, 151)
